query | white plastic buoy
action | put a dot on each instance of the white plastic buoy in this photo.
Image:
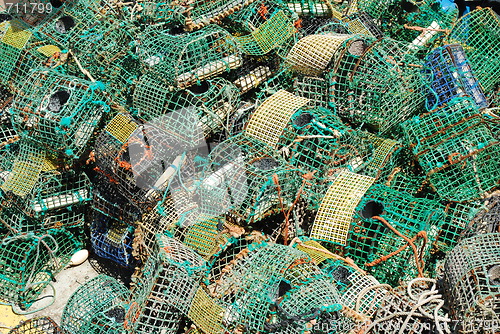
(79, 257)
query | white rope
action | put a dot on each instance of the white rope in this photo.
(427, 297)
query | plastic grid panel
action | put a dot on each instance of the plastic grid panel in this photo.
(206, 313)
(451, 76)
(335, 213)
(276, 110)
(312, 54)
(478, 33)
(454, 147)
(58, 111)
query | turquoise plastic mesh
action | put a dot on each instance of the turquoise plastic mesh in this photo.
(478, 33)
(455, 149)
(98, 306)
(472, 282)
(31, 262)
(185, 59)
(370, 239)
(58, 111)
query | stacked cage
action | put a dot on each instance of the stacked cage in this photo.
(37, 325)
(456, 150)
(30, 262)
(98, 306)
(376, 83)
(477, 32)
(472, 281)
(451, 76)
(182, 60)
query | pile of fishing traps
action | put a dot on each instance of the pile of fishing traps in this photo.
(252, 166)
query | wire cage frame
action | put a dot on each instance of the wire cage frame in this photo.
(98, 306)
(37, 325)
(30, 261)
(58, 111)
(477, 32)
(262, 27)
(472, 284)
(389, 228)
(263, 275)
(19, 222)
(54, 190)
(336, 211)
(112, 239)
(213, 101)
(370, 77)
(358, 291)
(197, 56)
(165, 287)
(451, 76)
(245, 177)
(453, 146)
(396, 18)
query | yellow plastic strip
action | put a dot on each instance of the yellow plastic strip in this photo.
(270, 119)
(337, 208)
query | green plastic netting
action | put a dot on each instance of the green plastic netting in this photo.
(401, 219)
(185, 59)
(472, 282)
(99, 306)
(263, 26)
(246, 177)
(266, 287)
(456, 150)
(30, 261)
(214, 101)
(478, 33)
(378, 83)
(58, 111)
(393, 15)
(37, 325)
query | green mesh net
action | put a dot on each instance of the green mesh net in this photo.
(397, 17)
(472, 282)
(166, 286)
(244, 176)
(31, 261)
(58, 111)
(213, 101)
(20, 52)
(477, 32)
(393, 233)
(98, 306)
(54, 190)
(263, 26)
(265, 287)
(453, 147)
(185, 59)
(371, 77)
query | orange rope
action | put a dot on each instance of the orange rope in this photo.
(411, 242)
